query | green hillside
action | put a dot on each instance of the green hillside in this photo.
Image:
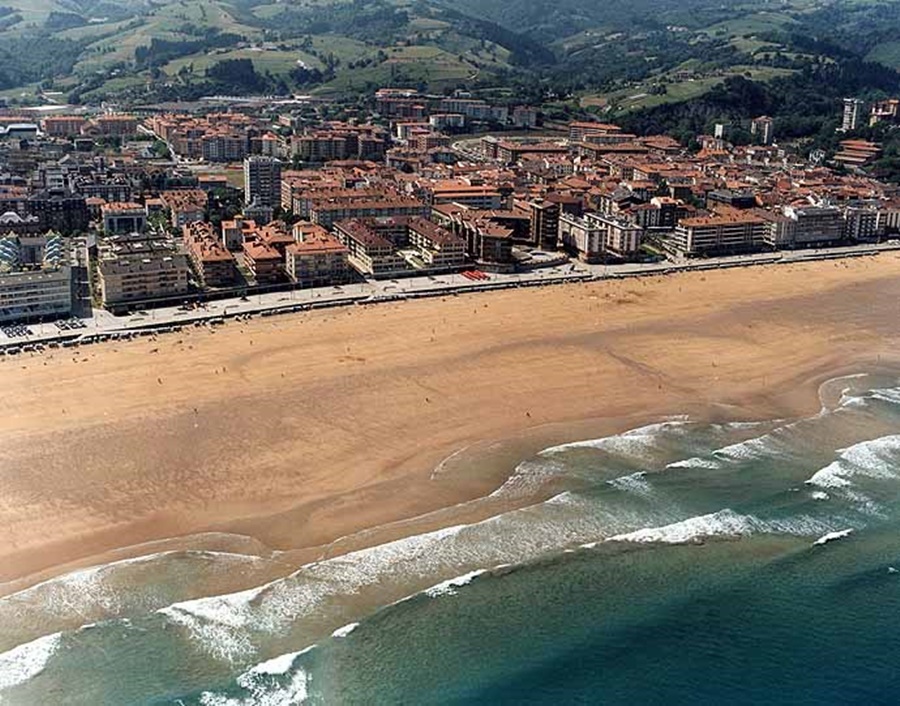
(613, 56)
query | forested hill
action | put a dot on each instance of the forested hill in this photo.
(674, 63)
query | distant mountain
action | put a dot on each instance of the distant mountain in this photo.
(616, 56)
(552, 20)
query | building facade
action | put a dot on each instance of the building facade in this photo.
(262, 181)
(135, 267)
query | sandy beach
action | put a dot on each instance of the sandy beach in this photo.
(302, 429)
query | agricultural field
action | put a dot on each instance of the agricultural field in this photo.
(641, 96)
(756, 23)
(273, 61)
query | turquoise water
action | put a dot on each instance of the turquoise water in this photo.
(680, 562)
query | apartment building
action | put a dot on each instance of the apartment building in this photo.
(763, 129)
(35, 295)
(525, 116)
(438, 247)
(510, 152)
(115, 125)
(595, 237)
(185, 205)
(225, 146)
(123, 217)
(852, 113)
(488, 242)
(661, 213)
(621, 238)
(471, 108)
(35, 278)
(581, 236)
(417, 244)
(447, 121)
(339, 141)
(109, 188)
(544, 227)
(814, 225)
(137, 267)
(400, 103)
(368, 251)
(887, 111)
(319, 148)
(481, 196)
(264, 263)
(213, 263)
(317, 258)
(235, 232)
(779, 230)
(63, 125)
(262, 181)
(276, 235)
(299, 195)
(861, 224)
(328, 211)
(59, 210)
(727, 231)
(580, 131)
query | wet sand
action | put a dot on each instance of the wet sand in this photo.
(303, 429)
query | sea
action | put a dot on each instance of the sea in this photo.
(682, 561)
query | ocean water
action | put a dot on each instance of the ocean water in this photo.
(680, 562)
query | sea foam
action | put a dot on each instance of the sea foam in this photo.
(25, 662)
(724, 523)
(223, 624)
(263, 689)
(634, 483)
(114, 590)
(345, 630)
(448, 588)
(279, 665)
(833, 536)
(875, 458)
(635, 443)
(527, 478)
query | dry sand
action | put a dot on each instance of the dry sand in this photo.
(305, 428)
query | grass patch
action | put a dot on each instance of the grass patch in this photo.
(756, 23)
(274, 61)
(886, 53)
(637, 97)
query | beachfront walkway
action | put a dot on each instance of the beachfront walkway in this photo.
(104, 324)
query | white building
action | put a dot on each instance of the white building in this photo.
(852, 113)
(35, 295)
(35, 278)
(597, 236)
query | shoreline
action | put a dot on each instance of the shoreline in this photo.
(525, 444)
(392, 492)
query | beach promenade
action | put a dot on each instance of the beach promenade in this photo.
(105, 326)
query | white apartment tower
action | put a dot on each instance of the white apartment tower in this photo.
(852, 112)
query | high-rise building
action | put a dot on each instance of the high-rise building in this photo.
(762, 128)
(852, 113)
(262, 181)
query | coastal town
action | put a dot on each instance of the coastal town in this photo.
(113, 220)
(508, 352)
